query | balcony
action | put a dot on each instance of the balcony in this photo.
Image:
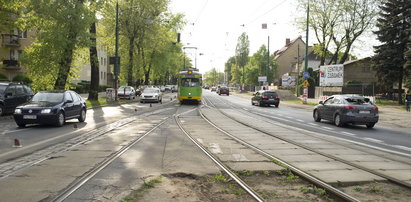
(11, 64)
(10, 40)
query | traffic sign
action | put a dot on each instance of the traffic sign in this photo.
(305, 83)
(306, 75)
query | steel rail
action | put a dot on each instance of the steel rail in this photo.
(90, 174)
(248, 189)
(389, 178)
(295, 170)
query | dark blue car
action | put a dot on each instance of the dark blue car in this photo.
(51, 107)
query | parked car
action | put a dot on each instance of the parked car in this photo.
(223, 90)
(174, 88)
(343, 109)
(265, 98)
(151, 95)
(127, 92)
(213, 88)
(51, 107)
(12, 95)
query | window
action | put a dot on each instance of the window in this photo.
(19, 90)
(190, 82)
(22, 35)
(68, 97)
(11, 89)
(75, 97)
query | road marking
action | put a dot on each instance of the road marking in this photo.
(299, 120)
(328, 128)
(13, 131)
(289, 117)
(245, 109)
(373, 140)
(402, 147)
(313, 124)
(350, 134)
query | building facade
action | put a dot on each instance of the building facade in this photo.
(12, 46)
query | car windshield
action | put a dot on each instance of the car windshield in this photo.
(124, 88)
(190, 82)
(48, 97)
(2, 88)
(150, 90)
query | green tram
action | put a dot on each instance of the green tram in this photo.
(189, 85)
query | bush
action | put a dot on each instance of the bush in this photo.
(22, 78)
(3, 77)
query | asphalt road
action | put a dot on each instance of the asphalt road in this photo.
(385, 138)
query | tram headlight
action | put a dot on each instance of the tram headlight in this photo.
(189, 93)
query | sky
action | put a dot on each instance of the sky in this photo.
(213, 27)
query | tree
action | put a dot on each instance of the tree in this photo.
(338, 24)
(241, 53)
(393, 25)
(94, 64)
(227, 68)
(58, 35)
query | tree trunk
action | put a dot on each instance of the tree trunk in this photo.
(94, 65)
(65, 65)
(130, 62)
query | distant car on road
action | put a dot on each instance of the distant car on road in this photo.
(127, 92)
(12, 95)
(51, 107)
(223, 90)
(265, 98)
(343, 109)
(213, 88)
(151, 95)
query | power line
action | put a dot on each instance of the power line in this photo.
(258, 17)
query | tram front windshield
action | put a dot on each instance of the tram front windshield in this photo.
(190, 82)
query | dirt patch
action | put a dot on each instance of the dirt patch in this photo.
(272, 186)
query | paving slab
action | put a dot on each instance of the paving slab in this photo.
(254, 166)
(345, 176)
(321, 165)
(362, 158)
(386, 165)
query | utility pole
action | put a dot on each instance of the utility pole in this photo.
(268, 58)
(306, 37)
(117, 61)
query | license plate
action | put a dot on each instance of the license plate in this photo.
(364, 112)
(29, 117)
(271, 99)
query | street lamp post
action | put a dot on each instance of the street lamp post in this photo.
(116, 63)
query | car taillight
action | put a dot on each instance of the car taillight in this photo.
(375, 108)
(265, 97)
(349, 107)
(276, 97)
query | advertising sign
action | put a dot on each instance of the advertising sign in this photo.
(332, 75)
(287, 80)
(262, 79)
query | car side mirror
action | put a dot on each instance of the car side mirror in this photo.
(321, 102)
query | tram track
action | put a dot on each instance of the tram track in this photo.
(356, 165)
(299, 172)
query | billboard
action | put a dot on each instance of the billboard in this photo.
(332, 75)
(287, 80)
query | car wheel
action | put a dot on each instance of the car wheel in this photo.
(60, 119)
(260, 104)
(1, 110)
(370, 125)
(252, 103)
(316, 116)
(337, 120)
(228, 94)
(82, 117)
(21, 125)
(276, 105)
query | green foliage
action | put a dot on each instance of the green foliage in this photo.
(213, 77)
(374, 189)
(139, 193)
(304, 190)
(266, 173)
(3, 77)
(390, 55)
(357, 188)
(22, 78)
(220, 178)
(245, 172)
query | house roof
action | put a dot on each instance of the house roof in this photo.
(277, 53)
